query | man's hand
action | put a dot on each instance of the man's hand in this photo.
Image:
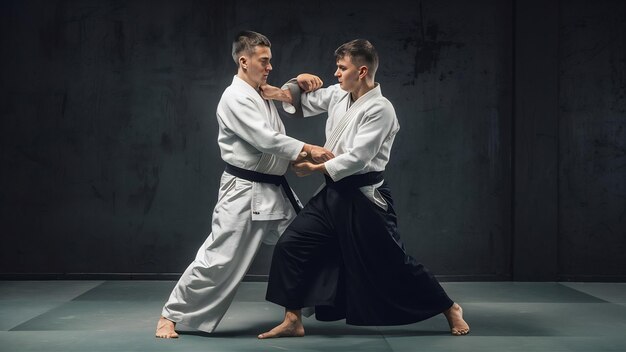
(318, 154)
(309, 82)
(311, 159)
(304, 168)
(269, 92)
(321, 155)
(301, 157)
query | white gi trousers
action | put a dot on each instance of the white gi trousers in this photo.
(207, 287)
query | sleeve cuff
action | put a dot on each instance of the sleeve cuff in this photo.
(295, 91)
(332, 171)
(297, 151)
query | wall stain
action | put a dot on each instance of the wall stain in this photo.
(166, 143)
(144, 196)
(109, 201)
(426, 40)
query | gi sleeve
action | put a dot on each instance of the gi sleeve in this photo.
(241, 115)
(308, 104)
(377, 125)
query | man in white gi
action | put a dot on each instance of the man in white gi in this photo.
(343, 254)
(254, 205)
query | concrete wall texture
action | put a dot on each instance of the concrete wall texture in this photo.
(510, 161)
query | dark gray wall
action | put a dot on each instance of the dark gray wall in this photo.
(592, 140)
(509, 162)
(535, 140)
(570, 145)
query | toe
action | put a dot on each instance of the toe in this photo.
(457, 332)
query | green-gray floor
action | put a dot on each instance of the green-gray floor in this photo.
(121, 316)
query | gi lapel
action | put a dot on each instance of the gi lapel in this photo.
(255, 95)
(276, 123)
(345, 120)
(271, 116)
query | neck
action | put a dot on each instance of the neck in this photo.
(241, 74)
(365, 87)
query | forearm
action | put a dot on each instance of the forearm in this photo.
(270, 92)
(305, 104)
(321, 168)
(277, 144)
(345, 165)
(284, 95)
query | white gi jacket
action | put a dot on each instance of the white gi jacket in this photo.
(257, 144)
(359, 133)
(251, 136)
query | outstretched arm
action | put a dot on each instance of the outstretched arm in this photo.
(306, 97)
(306, 82)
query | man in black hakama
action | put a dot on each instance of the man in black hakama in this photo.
(343, 254)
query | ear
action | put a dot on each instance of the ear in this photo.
(243, 62)
(363, 71)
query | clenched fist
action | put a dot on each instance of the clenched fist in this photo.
(318, 154)
(309, 82)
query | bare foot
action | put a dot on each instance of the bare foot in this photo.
(165, 329)
(458, 326)
(290, 327)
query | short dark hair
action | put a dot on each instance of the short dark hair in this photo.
(361, 52)
(245, 41)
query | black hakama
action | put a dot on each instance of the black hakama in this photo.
(343, 255)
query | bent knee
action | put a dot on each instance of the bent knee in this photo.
(285, 239)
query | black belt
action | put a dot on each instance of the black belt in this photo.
(265, 178)
(356, 181)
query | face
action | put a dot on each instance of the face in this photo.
(347, 74)
(258, 65)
